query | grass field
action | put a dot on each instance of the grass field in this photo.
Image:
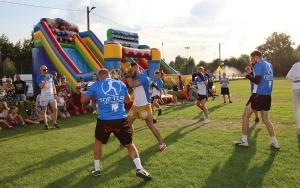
(198, 155)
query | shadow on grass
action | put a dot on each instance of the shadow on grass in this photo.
(235, 172)
(48, 163)
(124, 165)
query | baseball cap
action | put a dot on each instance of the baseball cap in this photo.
(78, 87)
(81, 77)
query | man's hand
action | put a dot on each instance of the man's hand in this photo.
(244, 74)
(127, 75)
(200, 75)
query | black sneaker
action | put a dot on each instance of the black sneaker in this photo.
(55, 126)
(96, 173)
(46, 127)
(159, 112)
(143, 174)
(256, 120)
(154, 120)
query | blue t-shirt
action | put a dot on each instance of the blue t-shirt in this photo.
(160, 85)
(48, 89)
(202, 90)
(265, 70)
(142, 93)
(110, 95)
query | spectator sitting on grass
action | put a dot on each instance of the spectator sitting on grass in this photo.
(3, 114)
(61, 106)
(34, 115)
(192, 93)
(13, 118)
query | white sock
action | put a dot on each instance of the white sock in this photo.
(97, 164)
(244, 138)
(137, 162)
(273, 139)
(154, 117)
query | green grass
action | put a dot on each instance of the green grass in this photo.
(197, 155)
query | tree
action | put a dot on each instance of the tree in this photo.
(278, 50)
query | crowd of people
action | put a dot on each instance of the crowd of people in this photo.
(56, 99)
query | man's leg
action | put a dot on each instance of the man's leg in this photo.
(54, 112)
(154, 129)
(130, 121)
(97, 157)
(267, 122)
(269, 125)
(44, 109)
(247, 113)
(245, 127)
(134, 155)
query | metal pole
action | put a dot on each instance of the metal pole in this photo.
(187, 55)
(88, 17)
(88, 10)
(220, 51)
(162, 50)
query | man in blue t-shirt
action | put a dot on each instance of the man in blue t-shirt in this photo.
(110, 95)
(260, 99)
(157, 87)
(141, 108)
(48, 95)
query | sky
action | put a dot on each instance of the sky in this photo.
(237, 26)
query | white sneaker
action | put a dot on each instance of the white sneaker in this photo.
(206, 121)
(274, 145)
(241, 143)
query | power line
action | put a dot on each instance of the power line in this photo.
(38, 6)
(102, 17)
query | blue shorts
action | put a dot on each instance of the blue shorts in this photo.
(20, 97)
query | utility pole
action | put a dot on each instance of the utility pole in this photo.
(162, 50)
(88, 10)
(187, 56)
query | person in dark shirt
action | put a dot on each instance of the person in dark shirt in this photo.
(20, 89)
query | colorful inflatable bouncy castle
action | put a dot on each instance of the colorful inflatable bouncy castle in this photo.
(62, 30)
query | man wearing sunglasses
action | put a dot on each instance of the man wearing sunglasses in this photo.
(48, 93)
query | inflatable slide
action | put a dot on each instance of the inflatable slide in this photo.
(59, 46)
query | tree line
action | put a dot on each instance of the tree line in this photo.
(277, 49)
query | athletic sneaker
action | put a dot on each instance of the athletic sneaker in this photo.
(95, 112)
(55, 126)
(154, 120)
(256, 120)
(274, 145)
(96, 173)
(159, 112)
(206, 121)
(46, 127)
(241, 143)
(162, 147)
(142, 173)
(25, 125)
(230, 102)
